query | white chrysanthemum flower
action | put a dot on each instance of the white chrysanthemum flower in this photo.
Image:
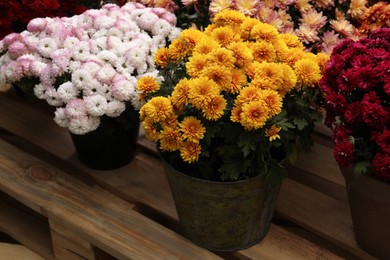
(46, 46)
(107, 57)
(83, 125)
(31, 41)
(123, 89)
(127, 26)
(141, 68)
(96, 105)
(60, 117)
(98, 33)
(104, 22)
(71, 42)
(99, 43)
(162, 28)
(80, 77)
(37, 67)
(52, 97)
(115, 14)
(67, 91)
(84, 21)
(174, 34)
(135, 101)
(81, 51)
(74, 65)
(105, 74)
(147, 20)
(91, 87)
(75, 108)
(115, 108)
(113, 42)
(114, 31)
(92, 66)
(39, 90)
(135, 57)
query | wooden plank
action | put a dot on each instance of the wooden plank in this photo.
(107, 223)
(24, 226)
(320, 214)
(279, 246)
(17, 252)
(69, 245)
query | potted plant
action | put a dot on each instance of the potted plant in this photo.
(16, 14)
(229, 106)
(86, 67)
(356, 83)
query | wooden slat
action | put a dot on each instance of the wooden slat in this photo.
(327, 217)
(17, 252)
(107, 222)
(32, 230)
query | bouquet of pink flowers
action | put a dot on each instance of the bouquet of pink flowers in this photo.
(87, 65)
(357, 87)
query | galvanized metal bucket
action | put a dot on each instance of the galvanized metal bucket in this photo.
(222, 216)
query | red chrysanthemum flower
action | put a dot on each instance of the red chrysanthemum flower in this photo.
(343, 153)
(381, 166)
(352, 115)
(383, 140)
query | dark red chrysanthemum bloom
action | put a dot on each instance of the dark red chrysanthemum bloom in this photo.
(381, 166)
(335, 103)
(361, 61)
(373, 115)
(382, 33)
(383, 140)
(343, 153)
(340, 134)
(365, 78)
(352, 115)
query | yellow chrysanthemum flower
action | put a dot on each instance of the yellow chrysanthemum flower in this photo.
(215, 108)
(190, 151)
(251, 68)
(292, 41)
(291, 56)
(150, 130)
(179, 97)
(289, 79)
(262, 83)
(272, 132)
(205, 46)
(224, 35)
(273, 101)
(161, 57)
(242, 53)
(157, 109)
(254, 115)
(170, 139)
(178, 49)
(202, 91)
(220, 75)
(247, 27)
(192, 129)
(270, 72)
(196, 64)
(308, 72)
(248, 94)
(264, 32)
(146, 85)
(191, 36)
(262, 51)
(322, 58)
(236, 114)
(239, 80)
(229, 18)
(222, 57)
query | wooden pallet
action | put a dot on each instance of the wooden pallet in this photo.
(60, 209)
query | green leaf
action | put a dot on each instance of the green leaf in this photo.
(301, 123)
(361, 168)
(247, 143)
(276, 172)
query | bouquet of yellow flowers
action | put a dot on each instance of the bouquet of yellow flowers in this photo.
(233, 101)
